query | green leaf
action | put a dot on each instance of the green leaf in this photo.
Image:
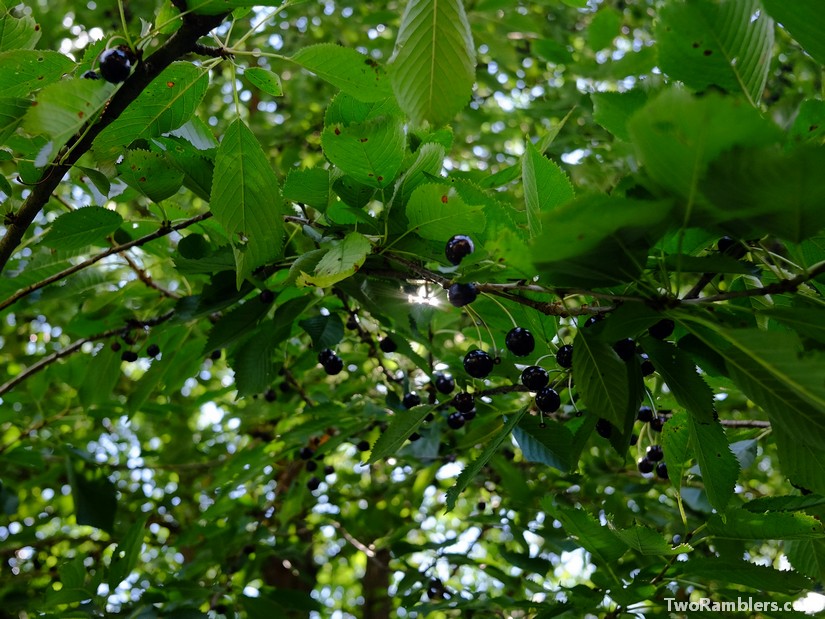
(649, 542)
(546, 186)
(339, 262)
(803, 463)
(150, 174)
(95, 497)
(678, 135)
(63, 108)
(102, 374)
(548, 442)
(428, 161)
(601, 378)
(719, 466)
(371, 152)
(784, 503)
(195, 167)
(310, 186)
(165, 104)
(769, 191)
(216, 7)
(771, 370)
(807, 557)
(726, 44)
(236, 323)
(11, 113)
(436, 211)
(679, 372)
(81, 228)
(433, 65)
(22, 71)
(345, 110)
(354, 73)
(402, 425)
(805, 21)
(126, 554)
(472, 469)
(675, 442)
(252, 360)
(246, 200)
(325, 331)
(741, 524)
(597, 241)
(264, 80)
(600, 541)
(732, 571)
(72, 573)
(604, 27)
(18, 33)
(612, 110)
(809, 124)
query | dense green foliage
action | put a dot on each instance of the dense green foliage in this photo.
(231, 304)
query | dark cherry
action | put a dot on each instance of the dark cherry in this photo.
(548, 400)
(564, 356)
(478, 363)
(464, 402)
(520, 341)
(460, 295)
(534, 377)
(444, 383)
(458, 247)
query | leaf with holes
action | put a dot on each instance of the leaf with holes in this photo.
(436, 211)
(151, 174)
(371, 152)
(18, 33)
(22, 71)
(433, 65)
(165, 104)
(725, 44)
(61, 109)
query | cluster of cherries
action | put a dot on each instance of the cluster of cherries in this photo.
(521, 343)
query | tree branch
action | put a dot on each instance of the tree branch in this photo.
(147, 279)
(180, 43)
(75, 346)
(160, 232)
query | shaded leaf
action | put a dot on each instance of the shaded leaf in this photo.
(471, 470)
(548, 445)
(546, 186)
(601, 378)
(805, 21)
(150, 174)
(81, 228)
(339, 262)
(246, 200)
(740, 524)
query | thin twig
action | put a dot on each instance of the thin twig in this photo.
(75, 346)
(147, 279)
(160, 232)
